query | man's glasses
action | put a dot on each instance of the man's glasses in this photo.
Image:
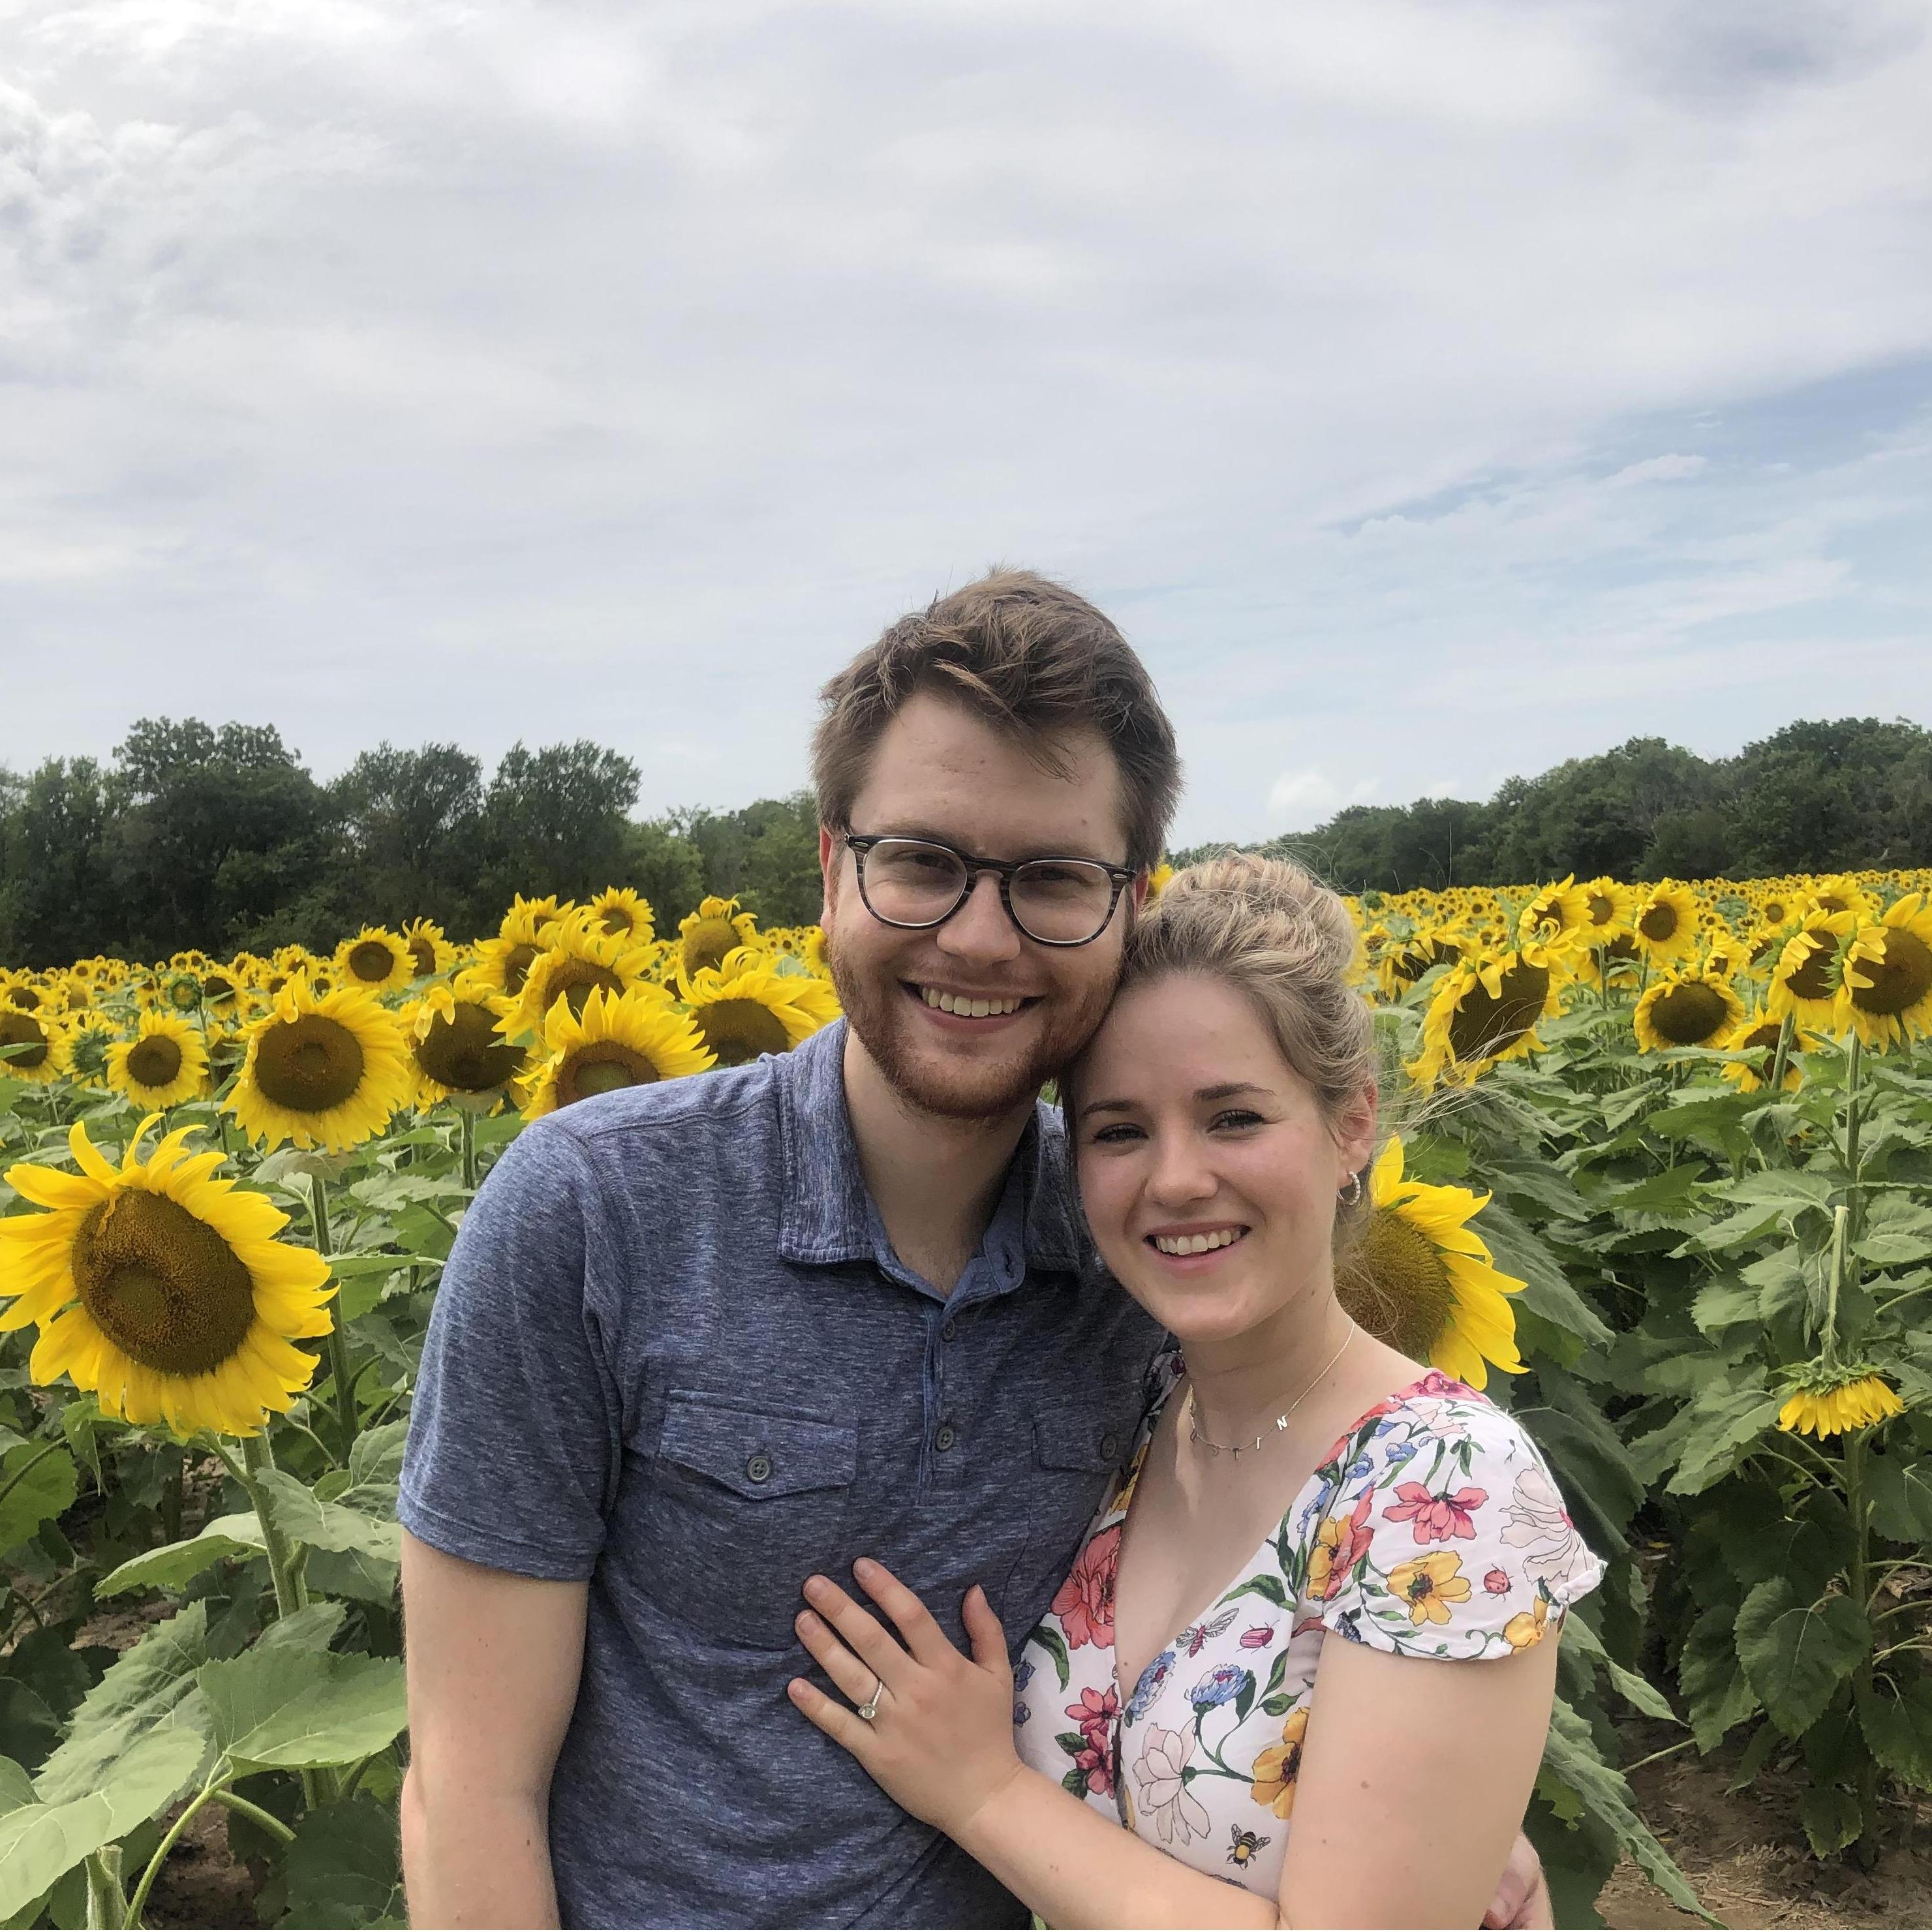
(919, 882)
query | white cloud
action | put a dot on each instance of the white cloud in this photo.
(1300, 799)
(1670, 469)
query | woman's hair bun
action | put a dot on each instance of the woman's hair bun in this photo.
(1282, 902)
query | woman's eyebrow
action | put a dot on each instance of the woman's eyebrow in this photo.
(1226, 1090)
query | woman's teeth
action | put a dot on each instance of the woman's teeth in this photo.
(1197, 1244)
(975, 1010)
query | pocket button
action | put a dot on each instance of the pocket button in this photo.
(759, 1468)
(1110, 1445)
(945, 1438)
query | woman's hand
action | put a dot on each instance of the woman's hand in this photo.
(941, 1743)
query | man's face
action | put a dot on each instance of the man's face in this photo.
(940, 772)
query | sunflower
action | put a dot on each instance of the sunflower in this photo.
(375, 960)
(1159, 879)
(1559, 915)
(1686, 1009)
(164, 1063)
(745, 1006)
(181, 991)
(715, 929)
(1421, 1279)
(1665, 925)
(160, 1288)
(1758, 1033)
(1804, 980)
(454, 1040)
(1780, 908)
(630, 1039)
(1608, 909)
(508, 958)
(40, 1044)
(1885, 988)
(579, 955)
(1405, 961)
(1841, 893)
(1831, 1398)
(1486, 1010)
(625, 913)
(91, 1037)
(430, 952)
(324, 1072)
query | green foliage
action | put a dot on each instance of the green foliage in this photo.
(1819, 797)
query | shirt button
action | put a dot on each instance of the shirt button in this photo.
(946, 1436)
(1110, 1445)
(948, 1329)
(759, 1468)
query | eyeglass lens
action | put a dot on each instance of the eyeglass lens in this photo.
(1062, 900)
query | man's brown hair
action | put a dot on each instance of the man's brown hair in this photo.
(1031, 658)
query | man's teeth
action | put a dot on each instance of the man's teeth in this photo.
(1196, 1244)
(975, 1010)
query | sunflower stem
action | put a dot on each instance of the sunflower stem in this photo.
(1859, 1577)
(469, 1123)
(337, 1344)
(106, 1902)
(1840, 1217)
(1786, 1032)
(190, 1811)
(1855, 1060)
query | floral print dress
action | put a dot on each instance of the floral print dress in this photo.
(1432, 1528)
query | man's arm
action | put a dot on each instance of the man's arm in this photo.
(492, 1661)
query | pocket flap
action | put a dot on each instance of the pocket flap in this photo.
(755, 1454)
(1081, 1442)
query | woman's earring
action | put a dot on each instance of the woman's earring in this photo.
(1352, 1195)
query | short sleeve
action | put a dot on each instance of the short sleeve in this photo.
(1446, 1536)
(516, 1428)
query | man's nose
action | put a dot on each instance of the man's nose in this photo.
(980, 929)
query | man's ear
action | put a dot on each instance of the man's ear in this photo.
(830, 853)
(1139, 890)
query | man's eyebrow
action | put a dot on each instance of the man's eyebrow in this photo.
(1032, 849)
(1225, 1091)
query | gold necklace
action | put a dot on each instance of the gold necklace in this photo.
(1280, 1421)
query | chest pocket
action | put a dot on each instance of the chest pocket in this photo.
(744, 1504)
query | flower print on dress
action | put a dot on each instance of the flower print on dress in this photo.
(1023, 1676)
(1526, 1629)
(1159, 1773)
(1401, 1452)
(1221, 1686)
(1436, 1518)
(1428, 1585)
(1091, 1747)
(1085, 1602)
(1536, 1522)
(1340, 1544)
(1095, 1714)
(1152, 1679)
(1277, 1767)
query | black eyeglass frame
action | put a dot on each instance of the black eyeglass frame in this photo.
(860, 843)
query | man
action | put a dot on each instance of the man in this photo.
(698, 1341)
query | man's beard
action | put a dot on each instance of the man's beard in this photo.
(986, 1090)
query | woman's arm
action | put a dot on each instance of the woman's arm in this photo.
(1413, 1776)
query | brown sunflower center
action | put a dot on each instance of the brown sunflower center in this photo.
(602, 1067)
(219, 988)
(422, 956)
(20, 1029)
(1658, 923)
(617, 919)
(571, 980)
(707, 943)
(1688, 1015)
(1484, 1024)
(1900, 979)
(1813, 980)
(370, 961)
(1393, 1282)
(465, 1052)
(1600, 909)
(517, 964)
(155, 1061)
(308, 1064)
(738, 1030)
(25, 997)
(1763, 1035)
(161, 1284)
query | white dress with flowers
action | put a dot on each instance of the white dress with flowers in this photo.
(1431, 1529)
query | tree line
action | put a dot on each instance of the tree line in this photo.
(195, 834)
(1818, 796)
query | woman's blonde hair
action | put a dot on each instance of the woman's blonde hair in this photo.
(1276, 933)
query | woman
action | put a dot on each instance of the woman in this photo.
(1297, 1483)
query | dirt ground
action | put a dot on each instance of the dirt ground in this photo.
(1736, 1848)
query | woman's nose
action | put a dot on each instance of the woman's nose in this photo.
(1180, 1173)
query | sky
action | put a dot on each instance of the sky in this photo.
(1432, 390)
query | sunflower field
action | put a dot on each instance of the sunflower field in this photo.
(1659, 1182)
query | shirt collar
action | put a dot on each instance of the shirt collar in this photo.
(828, 1217)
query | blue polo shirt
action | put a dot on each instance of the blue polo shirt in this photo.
(674, 1354)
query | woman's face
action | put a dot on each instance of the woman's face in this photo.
(1192, 1129)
